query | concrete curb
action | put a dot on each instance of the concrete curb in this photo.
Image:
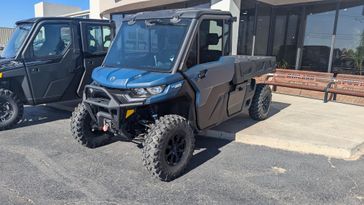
(291, 145)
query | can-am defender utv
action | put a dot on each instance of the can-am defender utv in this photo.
(167, 76)
(47, 60)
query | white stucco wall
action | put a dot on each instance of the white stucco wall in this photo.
(44, 9)
(234, 7)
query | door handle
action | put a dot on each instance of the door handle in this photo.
(202, 74)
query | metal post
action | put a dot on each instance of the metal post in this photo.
(253, 46)
(329, 67)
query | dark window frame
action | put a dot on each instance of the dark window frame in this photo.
(196, 37)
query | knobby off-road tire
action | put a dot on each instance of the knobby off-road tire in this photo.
(11, 109)
(168, 147)
(260, 107)
(81, 127)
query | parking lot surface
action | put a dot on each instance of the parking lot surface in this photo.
(40, 163)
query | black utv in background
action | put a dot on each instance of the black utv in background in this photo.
(49, 60)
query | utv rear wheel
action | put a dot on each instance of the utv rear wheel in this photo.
(11, 109)
(260, 107)
(168, 147)
(83, 130)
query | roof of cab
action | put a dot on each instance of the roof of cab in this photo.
(192, 13)
(38, 19)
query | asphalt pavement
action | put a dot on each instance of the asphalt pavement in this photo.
(40, 163)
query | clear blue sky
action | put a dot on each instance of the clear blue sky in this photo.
(14, 10)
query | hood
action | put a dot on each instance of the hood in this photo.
(125, 78)
(9, 64)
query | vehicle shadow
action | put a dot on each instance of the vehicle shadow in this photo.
(207, 148)
(243, 121)
(35, 115)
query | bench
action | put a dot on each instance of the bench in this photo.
(306, 80)
(352, 85)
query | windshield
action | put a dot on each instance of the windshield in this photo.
(148, 44)
(20, 34)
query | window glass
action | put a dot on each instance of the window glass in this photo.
(106, 37)
(148, 45)
(246, 27)
(226, 39)
(318, 37)
(20, 34)
(210, 40)
(192, 55)
(118, 19)
(52, 40)
(286, 32)
(98, 38)
(262, 33)
(349, 44)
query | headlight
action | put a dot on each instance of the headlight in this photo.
(147, 92)
(155, 90)
(140, 92)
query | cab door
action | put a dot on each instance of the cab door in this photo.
(96, 40)
(51, 60)
(210, 70)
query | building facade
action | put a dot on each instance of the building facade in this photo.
(5, 34)
(314, 35)
(46, 9)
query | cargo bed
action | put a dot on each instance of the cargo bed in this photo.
(248, 67)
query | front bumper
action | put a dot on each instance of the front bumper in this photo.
(109, 107)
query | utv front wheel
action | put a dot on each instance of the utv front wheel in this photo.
(11, 109)
(168, 147)
(83, 130)
(260, 107)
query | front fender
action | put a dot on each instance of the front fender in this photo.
(18, 85)
(4, 84)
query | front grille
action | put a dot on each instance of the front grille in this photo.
(118, 94)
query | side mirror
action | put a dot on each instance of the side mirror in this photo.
(108, 38)
(232, 19)
(213, 39)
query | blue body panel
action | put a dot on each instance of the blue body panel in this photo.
(126, 78)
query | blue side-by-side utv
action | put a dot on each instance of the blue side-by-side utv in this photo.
(168, 76)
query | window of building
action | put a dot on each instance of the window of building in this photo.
(262, 29)
(286, 33)
(318, 37)
(349, 43)
(52, 40)
(98, 38)
(326, 35)
(246, 27)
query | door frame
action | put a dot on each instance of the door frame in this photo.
(28, 56)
